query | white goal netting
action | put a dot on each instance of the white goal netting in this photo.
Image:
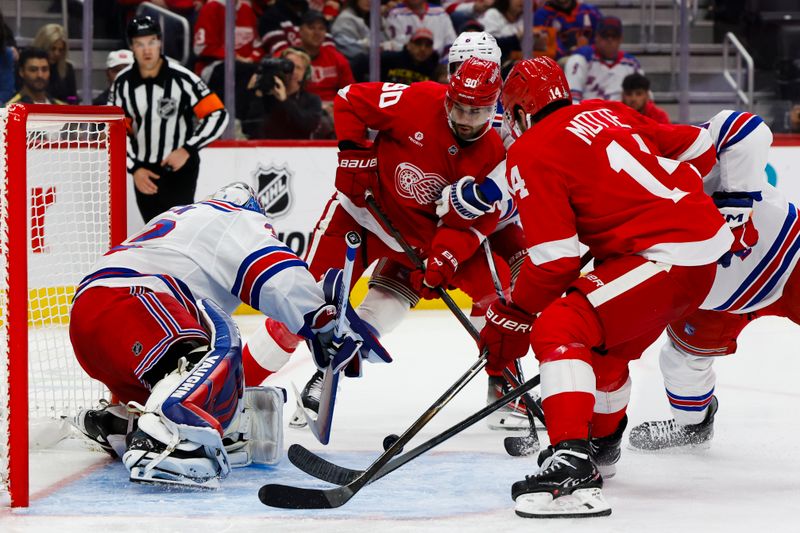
(67, 176)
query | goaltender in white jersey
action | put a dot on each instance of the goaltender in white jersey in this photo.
(152, 323)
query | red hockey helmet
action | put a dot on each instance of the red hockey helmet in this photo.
(531, 85)
(472, 95)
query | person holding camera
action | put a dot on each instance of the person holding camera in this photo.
(171, 115)
(280, 107)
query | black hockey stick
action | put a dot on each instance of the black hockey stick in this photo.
(415, 259)
(289, 497)
(320, 468)
(528, 444)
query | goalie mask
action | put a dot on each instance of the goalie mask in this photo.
(471, 100)
(472, 44)
(241, 194)
(532, 85)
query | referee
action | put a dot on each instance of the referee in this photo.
(171, 115)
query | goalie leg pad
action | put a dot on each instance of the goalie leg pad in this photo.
(188, 411)
(256, 436)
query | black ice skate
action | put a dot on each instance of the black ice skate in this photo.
(606, 450)
(567, 485)
(106, 426)
(310, 397)
(668, 435)
(512, 416)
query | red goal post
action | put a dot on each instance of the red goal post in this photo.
(62, 205)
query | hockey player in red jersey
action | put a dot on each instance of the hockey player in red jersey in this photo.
(429, 136)
(599, 174)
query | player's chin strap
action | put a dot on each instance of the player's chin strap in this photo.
(190, 409)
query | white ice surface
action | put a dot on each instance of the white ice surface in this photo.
(749, 481)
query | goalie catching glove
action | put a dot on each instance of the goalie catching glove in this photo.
(506, 335)
(464, 201)
(357, 172)
(737, 209)
(357, 340)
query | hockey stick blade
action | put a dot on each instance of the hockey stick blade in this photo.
(320, 468)
(288, 497)
(302, 498)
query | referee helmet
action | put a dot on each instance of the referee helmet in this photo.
(142, 26)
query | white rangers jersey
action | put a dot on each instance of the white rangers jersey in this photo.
(401, 23)
(217, 250)
(590, 76)
(742, 142)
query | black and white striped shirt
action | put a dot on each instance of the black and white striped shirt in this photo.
(161, 112)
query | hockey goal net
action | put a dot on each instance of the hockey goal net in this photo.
(62, 205)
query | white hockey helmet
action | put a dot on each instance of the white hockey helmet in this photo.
(241, 194)
(473, 44)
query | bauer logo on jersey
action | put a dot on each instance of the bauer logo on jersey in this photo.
(274, 189)
(412, 182)
(167, 107)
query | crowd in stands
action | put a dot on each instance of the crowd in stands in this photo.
(292, 56)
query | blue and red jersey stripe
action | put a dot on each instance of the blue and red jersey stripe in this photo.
(258, 268)
(762, 280)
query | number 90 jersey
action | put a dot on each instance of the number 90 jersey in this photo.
(601, 174)
(418, 153)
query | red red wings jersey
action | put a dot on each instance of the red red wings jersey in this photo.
(604, 175)
(418, 154)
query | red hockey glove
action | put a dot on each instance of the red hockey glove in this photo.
(357, 172)
(507, 335)
(440, 269)
(737, 209)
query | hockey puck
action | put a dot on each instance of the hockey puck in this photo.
(389, 440)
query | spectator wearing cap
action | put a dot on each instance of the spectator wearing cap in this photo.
(575, 23)
(330, 70)
(406, 18)
(636, 94)
(350, 33)
(116, 61)
(597, 71)
(417, 61)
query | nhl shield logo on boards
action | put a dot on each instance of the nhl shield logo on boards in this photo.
(167, 107)
(274, 189)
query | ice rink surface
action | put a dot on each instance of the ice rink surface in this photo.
(748, 481)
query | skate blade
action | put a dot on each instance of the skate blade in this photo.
(583, 503)
(607, 471)
(155, 476)
(673, 450)
(301, 415)
(507, 421)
